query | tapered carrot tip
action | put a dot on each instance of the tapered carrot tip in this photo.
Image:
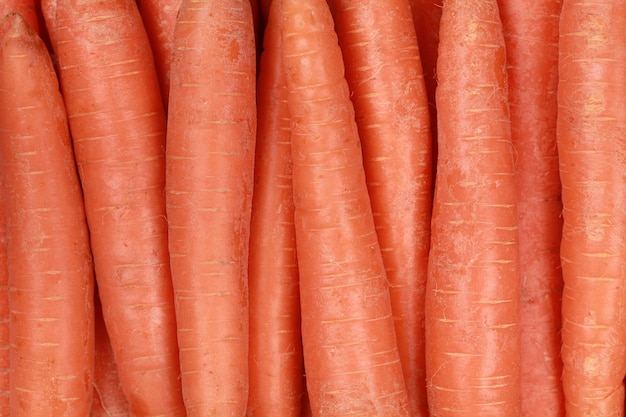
(13, 25)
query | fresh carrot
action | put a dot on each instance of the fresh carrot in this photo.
(159, 18)
(5, 361)
(531, 31)
(117, 123)
(49, 258)
(350, 350)
(108, 397)
(210, 163)
(26, 8)
(592, 160)
(473, 288)
(384, 72)
(276, 364)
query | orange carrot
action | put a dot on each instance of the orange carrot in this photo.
(591, 141)
(210, 161)
(159, 18)
(118, 129)
(384, 72)
(473, 289)
(350, 350)
(49, 258)
(5, 362)
(276, 365)
(26, 8)
(108, 397)
(531, 36)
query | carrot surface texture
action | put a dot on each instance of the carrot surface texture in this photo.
(49, 259)
(26, 8)
(276, 364)
(591, 138)
(350, 350)
(384, 72)
(473, 289)
(117, 124)
(531, 30)
(210, 163)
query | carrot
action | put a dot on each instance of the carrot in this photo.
(473, 287)
(592, 154)
(118, 127)
(384, 72)
(108, 399)
(26, 8)
(350, 350)
(159, 18)
(275, 357)
(531, 37)
(210, 161)
(5, 361)
(49, 259)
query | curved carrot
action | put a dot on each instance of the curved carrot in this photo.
(276, 365)
(384, 72)
(592, 153)
(118, 129)
(159, 18)
(26, 8)
(473, 289)
(350, 350)
(210, 161)
(49, 258)
(531, 30)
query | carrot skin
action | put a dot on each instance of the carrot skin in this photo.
(5, 360)
(350, 350)
(210, 164)
(591, 139)
(275, 357)
(531, 37)
(118, 129)
(49, 259)
(384, 72)
(473, 289)
(26, 8)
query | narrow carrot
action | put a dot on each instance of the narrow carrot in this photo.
(276, 364)
(531, 31)
(159, 18)
(108, 397)
(26, 8)
(49, 258)
(118, 128)
(5, 361)
(210, 162)
(473, 288)
(350, 350)
(592, 159)
(384, 72)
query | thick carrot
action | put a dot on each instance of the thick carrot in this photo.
(350, 350)
(159, 18)
(108, 397)
(5, 361)
(210, 162)
(473, 288)
(118, 129)
(591, 138)
(49, 258)
(276, 365)
(26, 8)
(384, 72)
(531, 30)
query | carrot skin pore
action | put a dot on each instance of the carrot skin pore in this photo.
(473, 290)
(49, 259)
(591, 132)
